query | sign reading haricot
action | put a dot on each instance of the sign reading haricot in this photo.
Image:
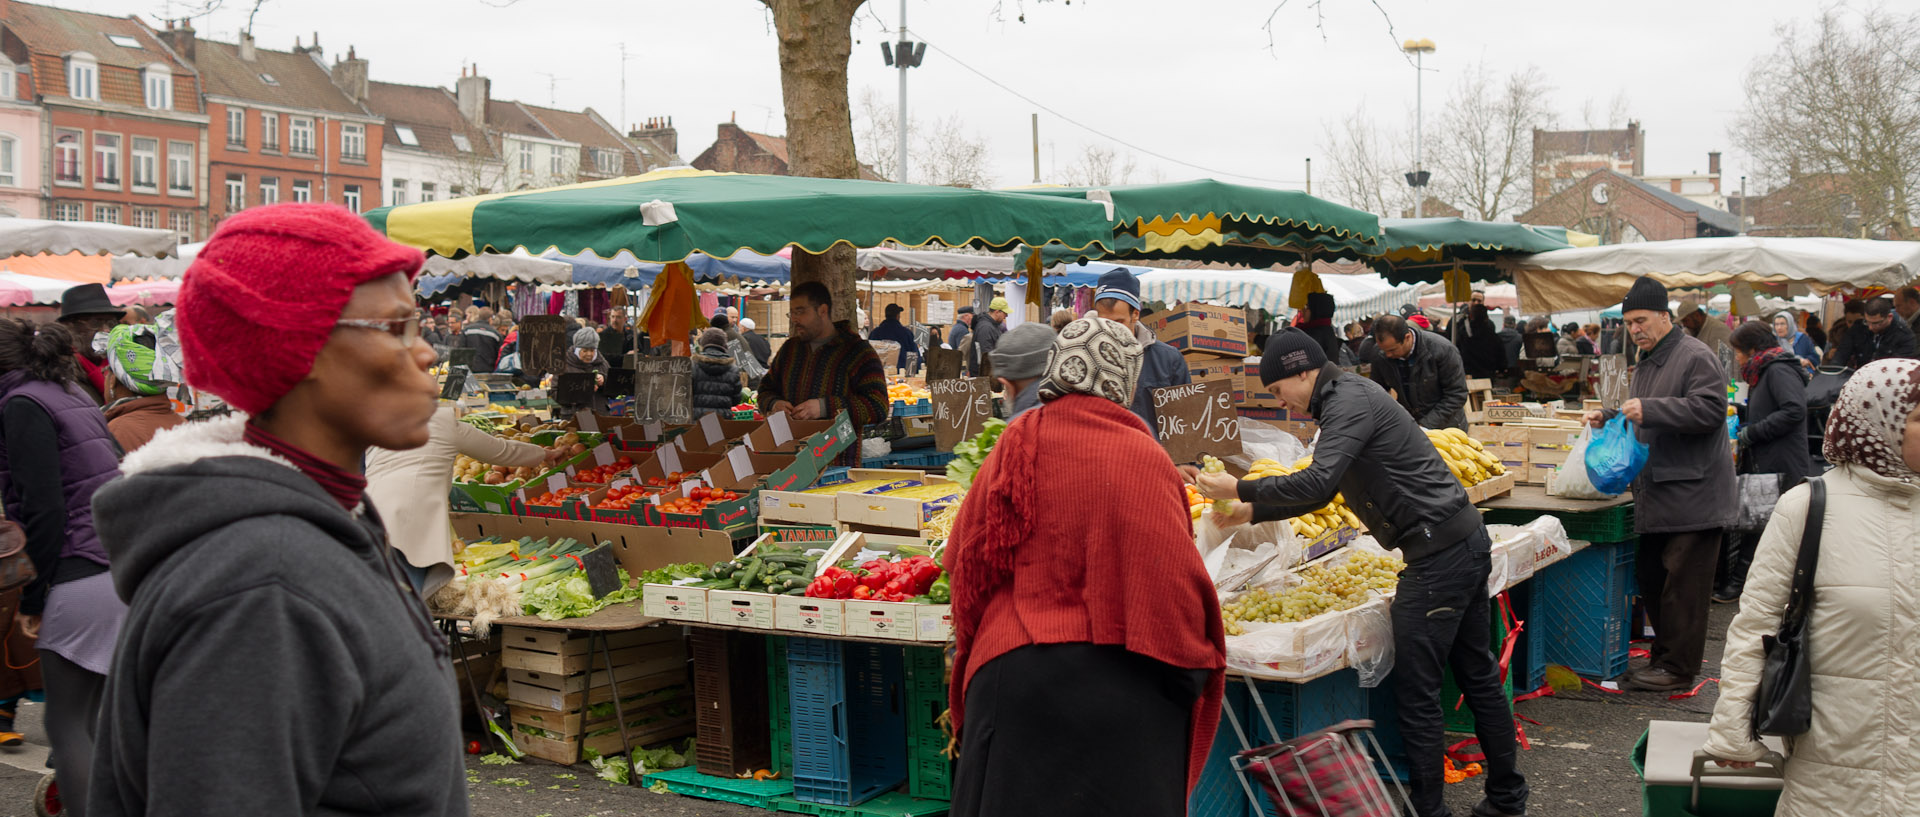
(960, 408)
(663, 390)
(1197, 418)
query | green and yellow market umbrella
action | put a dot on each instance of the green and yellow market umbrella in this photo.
(667, 215)
(1206, 220)
(1457, 251)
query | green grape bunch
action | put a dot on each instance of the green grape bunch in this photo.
(1323, 589)
(1212, 465)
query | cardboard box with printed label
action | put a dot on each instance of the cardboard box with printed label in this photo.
(1201, 366)
(882, 619)
(892, 512)
(1254, 393)
(1197, 327)
(738, 608)
(933, 622)
(641, 438)
(801, 614)
(805, 507)
(636, 549)
(675, 603)
(521, 503)
(1506, 412)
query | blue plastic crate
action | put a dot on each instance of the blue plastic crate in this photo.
(1385, 714)
(1529, 667)
(847, 704)
(1219, 793)
(1297, 709)
(1581, 607)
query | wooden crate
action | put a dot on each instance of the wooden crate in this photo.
(535, 696)
(769, 317)
(566, 751)
(647, 693)
(552, 651)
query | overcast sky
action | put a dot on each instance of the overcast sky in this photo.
(1190, 89)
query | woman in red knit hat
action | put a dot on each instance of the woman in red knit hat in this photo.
(258, 579)
(1090, 656)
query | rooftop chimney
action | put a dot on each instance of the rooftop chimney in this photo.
(660, 131)
(472, 93)
(180, 39)
(350, 76)
(246, 46)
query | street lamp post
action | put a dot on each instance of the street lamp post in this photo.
(1418, 178)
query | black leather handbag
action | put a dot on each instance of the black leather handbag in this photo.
(1784, 705)
(1823, 390)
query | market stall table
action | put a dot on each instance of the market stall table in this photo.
(1535, 498)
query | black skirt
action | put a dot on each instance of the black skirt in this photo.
(1076, 729)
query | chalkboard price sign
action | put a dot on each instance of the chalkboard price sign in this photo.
(960, 408)
(1197, 418)
(543, 339)
(663, 390)
(456, 382)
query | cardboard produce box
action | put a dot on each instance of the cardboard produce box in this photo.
(1208, 367)
(891, 512)
(638, 549)
(813, 443)
(804, 507)
(810, 616)
(713, 434)
(1254, 393)
(1198, 327)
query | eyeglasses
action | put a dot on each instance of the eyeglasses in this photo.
(406, 329)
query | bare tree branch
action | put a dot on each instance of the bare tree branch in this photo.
(1483, 139)
(1833, 118)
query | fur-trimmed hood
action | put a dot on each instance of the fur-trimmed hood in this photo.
(194, 479)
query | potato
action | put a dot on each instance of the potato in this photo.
(576, 449)
(495, 478)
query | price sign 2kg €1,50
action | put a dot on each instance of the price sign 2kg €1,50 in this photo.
(1197, 418)
(960, 408)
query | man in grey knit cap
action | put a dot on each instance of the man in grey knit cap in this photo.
(1019, 360)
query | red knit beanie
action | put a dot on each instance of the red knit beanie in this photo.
(262, 297)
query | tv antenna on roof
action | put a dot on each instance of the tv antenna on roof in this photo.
(553, 83)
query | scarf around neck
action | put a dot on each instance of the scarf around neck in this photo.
(1758, 363)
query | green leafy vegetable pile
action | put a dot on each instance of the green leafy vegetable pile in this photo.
(572, 597)
(968, 455)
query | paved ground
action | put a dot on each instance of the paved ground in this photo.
(1578, 765)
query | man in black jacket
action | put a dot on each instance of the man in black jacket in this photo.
(1432, 382)
(1396, 482)
(1881, 335)
(484, 341)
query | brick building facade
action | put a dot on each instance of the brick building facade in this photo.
(125, 124)
(1622, 209)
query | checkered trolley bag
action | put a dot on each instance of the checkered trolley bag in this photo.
(1327, 773)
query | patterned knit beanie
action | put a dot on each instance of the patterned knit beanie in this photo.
(262, 298)
(1870, 418)
(1093, 356)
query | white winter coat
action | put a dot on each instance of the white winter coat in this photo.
(409, 489)
(1862, 756)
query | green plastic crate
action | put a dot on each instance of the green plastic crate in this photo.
(691, 783)
(1613, 524)
(1453, 709)
(779, 709)
(930, 772)
(892, 804)
(1672, 796)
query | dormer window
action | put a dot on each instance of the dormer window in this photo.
(83, 76)
(123, 40)
(406, 135)
(158, 82)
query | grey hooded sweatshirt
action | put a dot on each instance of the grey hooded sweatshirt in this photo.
(274, 660)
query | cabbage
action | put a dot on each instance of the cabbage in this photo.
(572, 597)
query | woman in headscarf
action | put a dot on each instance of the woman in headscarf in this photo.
(1090, 653)
(1788, 333)
(1856, 759)
(137, 401)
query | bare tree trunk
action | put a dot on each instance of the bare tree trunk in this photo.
(816, 41)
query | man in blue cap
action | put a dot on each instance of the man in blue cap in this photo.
(1117, 298)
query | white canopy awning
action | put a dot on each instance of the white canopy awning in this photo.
(516, 266)
(933, 263)
(32, 236)
(1593, 277)
(1354, 296)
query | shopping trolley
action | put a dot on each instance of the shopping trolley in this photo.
(1327, 773)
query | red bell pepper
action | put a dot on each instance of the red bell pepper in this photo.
(863, 592)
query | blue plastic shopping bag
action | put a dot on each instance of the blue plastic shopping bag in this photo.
(1615, 456)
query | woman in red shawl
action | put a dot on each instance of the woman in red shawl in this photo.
(1090, 652)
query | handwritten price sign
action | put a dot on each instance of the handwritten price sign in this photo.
(663, 390)
(960, 408)
(1197, 418)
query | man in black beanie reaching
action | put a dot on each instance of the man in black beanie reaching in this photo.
(1371, 450)
(1686, 493)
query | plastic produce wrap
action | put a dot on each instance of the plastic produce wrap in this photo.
(1570, 478)
(1498, 566)
(1287, 549)
(1370, 641)
(1232, 565)
(1294, 650)
(1520, 544)
(1261, 441)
